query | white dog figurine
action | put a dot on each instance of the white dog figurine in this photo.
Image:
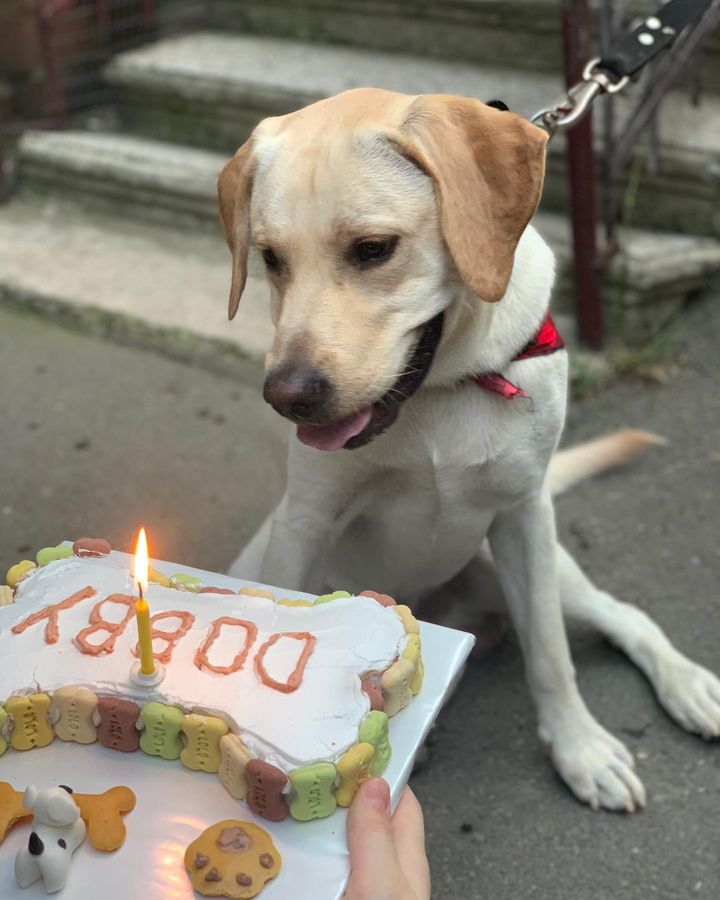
(57, 832)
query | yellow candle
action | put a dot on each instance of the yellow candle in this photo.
(142, 614)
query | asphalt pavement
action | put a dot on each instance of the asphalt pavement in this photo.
(96, 438)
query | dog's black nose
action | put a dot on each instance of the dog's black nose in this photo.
(300, 394)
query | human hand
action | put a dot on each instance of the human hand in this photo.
(387, 853)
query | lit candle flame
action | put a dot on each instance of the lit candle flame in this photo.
(140, 562)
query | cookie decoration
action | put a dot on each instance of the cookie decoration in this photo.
(232, 859)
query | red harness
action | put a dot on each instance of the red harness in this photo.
(546, 341)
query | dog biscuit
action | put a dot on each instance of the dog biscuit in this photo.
(395, 683)
(410, 623)
(287, 602)
(313, 797)
(382, 599)
(203, 734)
(3, 726)
(102, 814)
(72, 711)
(157, 577)
(19, 571)
(162, 727)
(265, 790)
(234, 758)
(181, 581)
(96, 547)
(51, 554)
(353, 768)
(256, 592)
(12, 809)
(31, 724)
(117, 720)
(370, 685)
(7, 596)
(412, 652)
(328, 598)
(232, 859)
(374, 731)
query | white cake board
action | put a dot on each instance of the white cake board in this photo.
(175, 804)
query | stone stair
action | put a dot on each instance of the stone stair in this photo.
(210, 90)
(187, 102)
(523, 33)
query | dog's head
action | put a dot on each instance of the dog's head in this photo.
(372, 211)
(54, 807)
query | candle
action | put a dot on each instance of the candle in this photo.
(142, 608)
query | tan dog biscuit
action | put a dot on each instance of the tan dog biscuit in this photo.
(102, 813)
(72, 711)
(396, 683)
(234, 758)
(12, 809)
(232, 859)
(256, 592)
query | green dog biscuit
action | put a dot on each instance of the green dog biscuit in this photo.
(161, 735)
(50, 554)
(313, 792)
(328, 598)
(3, 720)
(374, 730)
(184, 582)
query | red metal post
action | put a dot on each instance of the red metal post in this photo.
(576, 27)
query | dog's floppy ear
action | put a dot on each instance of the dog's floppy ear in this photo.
(487, 166)
(234, 189)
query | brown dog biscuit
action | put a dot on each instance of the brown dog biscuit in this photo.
(116, 726)
(102, 813)
(232, 859)
(96, 547)
(265, 790)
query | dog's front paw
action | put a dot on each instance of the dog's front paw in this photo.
(690, 694)
(596, 767)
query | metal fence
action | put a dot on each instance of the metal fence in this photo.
(52, 52)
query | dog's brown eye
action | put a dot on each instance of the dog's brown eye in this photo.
(369, 252)
(272, 260)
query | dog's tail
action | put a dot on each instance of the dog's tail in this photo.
(575, 464)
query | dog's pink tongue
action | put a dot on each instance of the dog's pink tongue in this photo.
(336, 435)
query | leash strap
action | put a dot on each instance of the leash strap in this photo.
(612, 72)
(656, 32)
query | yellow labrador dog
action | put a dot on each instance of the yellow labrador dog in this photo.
(406, 283)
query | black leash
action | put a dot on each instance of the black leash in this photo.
(610, 73)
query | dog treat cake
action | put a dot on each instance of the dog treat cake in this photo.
(287, 701)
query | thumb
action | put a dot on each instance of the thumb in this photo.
(374, 868)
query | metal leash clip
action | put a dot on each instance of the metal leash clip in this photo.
(573, 106)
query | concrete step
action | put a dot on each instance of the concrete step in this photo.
(139, 283)
(142, 178)
(211, 89)
(489, 32)
(133, 283)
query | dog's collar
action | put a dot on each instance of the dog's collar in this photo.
(547, 340)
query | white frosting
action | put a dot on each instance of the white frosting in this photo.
(317, 722)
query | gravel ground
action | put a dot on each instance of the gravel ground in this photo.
(97, 437)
